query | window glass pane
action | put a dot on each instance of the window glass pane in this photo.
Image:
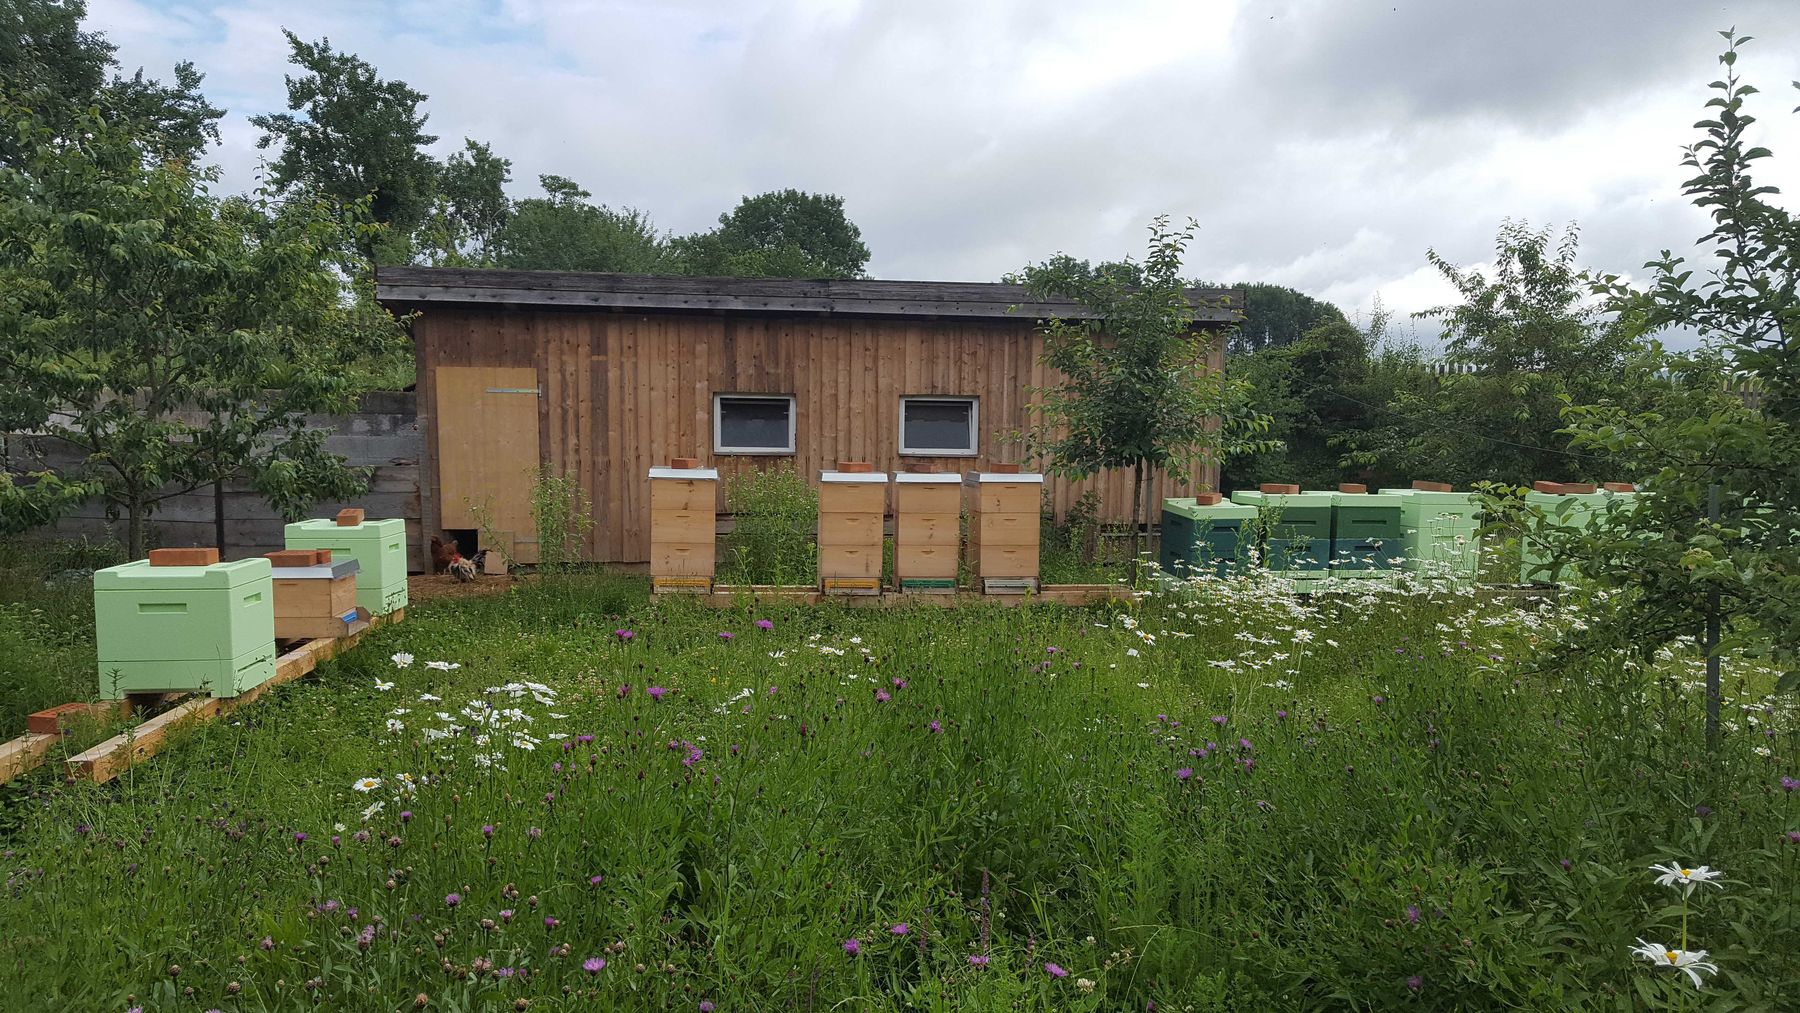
(939, 425)
(754, 423)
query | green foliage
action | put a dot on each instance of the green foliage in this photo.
(352, 137)
(563, 517)
(563, 232)
(1535, 343)
(774, 539)
(1680, 567)
(1275, 315)
(47, 625)
(1388, 763)
(779, 234)
(47, 63)
(470, 210)
(171, 337)
(1135, 389)
(1315, 391)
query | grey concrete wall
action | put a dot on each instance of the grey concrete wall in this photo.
(383, 433)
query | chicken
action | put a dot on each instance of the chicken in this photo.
(441, 555)
(462, 569)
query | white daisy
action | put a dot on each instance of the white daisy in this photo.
(370, 813)
(1689, 962)
(443, 666)
(383, 686)
(395, 726)
(368, 784)
(428, 698)
(1675, 876)
(402, 659)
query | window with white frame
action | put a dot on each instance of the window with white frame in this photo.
(753, 424)
(939, 426)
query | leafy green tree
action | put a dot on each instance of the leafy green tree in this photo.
(49, 64)
(779, 234)
(170, 337)
(1135, 389)
(1275, 315)
(1712, 548)
(1531, 341)
(1314, 391)
(351, 136)
(564, 232)
(471, 207)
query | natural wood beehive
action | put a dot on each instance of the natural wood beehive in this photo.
(927, 530)
(683, 527)
(1003, 528)
(315, 596)
(852, 504)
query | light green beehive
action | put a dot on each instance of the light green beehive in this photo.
(1566, 509)
(1442, 532)
(379, 548)
(162, 629)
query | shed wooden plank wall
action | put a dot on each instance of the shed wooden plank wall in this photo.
(625, 391)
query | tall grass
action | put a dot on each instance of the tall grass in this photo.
(775, 513)
(1218, 799)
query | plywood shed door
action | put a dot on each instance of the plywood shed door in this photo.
(487, 451)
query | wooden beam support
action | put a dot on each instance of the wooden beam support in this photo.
(113, 757)
(24, 753)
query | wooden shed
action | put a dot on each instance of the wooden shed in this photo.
(603, 376)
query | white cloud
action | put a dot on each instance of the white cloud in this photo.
(1322, 144)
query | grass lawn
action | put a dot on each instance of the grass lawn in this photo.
(1219, 801)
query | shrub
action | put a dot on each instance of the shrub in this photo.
(774, 538)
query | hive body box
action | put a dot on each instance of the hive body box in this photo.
(162, 629)
(1298, 529)
(1204, 537)
(851, 507)
(1440, 532)
(1367, 533)
(927, 531)
(683, 528)
(1567, 509)
(1003, 529)
(317, 601)
(379, 548)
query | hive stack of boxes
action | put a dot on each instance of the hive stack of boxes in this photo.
(927, 531)
(683, 526)
(378, 547)
(1003, 506)
(852, 503)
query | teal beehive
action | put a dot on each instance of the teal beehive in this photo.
(1204, 534)
(1367, 533)
(1297, 525)
(163, 629)
(379, 548)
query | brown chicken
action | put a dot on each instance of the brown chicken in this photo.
(441, 555)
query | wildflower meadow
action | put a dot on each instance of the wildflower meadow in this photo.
(1215, 797)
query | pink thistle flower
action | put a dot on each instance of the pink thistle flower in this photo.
(624, 634)
(1184, 773)
(763, 624)
(936, 729)
(978, 960)
(1055, 971)
(452, 899)
(881, 696)
(853, 946)
(656, 692)
(594, 965)
(900, 929)
(723, 635)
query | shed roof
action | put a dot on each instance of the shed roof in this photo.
(409, 287)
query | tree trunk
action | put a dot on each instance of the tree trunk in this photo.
(1137, 493)
(219, 515)
(134, 527)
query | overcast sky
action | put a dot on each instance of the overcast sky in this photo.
(1323, 144)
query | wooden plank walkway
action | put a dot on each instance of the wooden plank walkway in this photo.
(113, 757)
(728, 596)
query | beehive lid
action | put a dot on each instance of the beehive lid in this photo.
(1289, 499)
(1195, 510)
(691, 474)
(381, 527)
(853, 477)
(1431, 497)
(979, 477)
(139, 575)
(321, 571)
(928, 477)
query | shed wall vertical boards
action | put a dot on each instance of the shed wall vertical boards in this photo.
(624, 389)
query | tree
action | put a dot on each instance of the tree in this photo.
(50, 65)
(1135, 390)
(168, 336)
(471, 207)
(563, 232)
(1315, 392)
(779, 234)
(356, 137)
(1532, 341)
(1275, 315)
(1712, 547)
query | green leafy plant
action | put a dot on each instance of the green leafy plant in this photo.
(563, 518)
(774, 538)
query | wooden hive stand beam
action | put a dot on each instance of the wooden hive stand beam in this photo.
(113, 757)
